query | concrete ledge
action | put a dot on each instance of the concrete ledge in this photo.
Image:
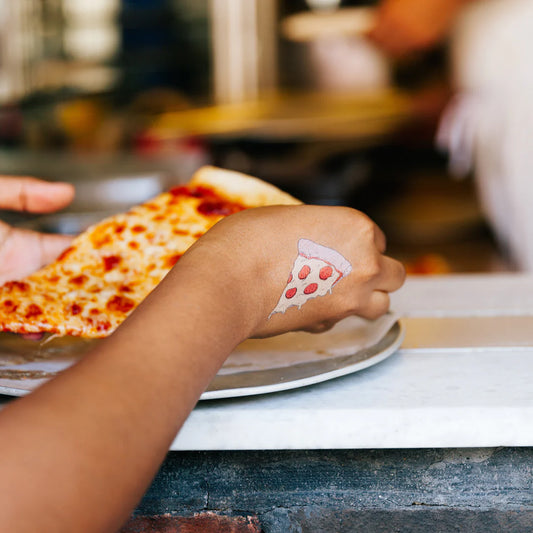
(334, 491)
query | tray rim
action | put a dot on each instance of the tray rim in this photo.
(275, 379)
(336, 366)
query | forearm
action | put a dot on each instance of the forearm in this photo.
(79, 452)
(406, 26)
(113, 416)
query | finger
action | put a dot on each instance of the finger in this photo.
(23, 251)
(379, 34)
(387, 35)
(34, 195)
(392, 275)
(321, 327)
(378, 304)
(52, 246)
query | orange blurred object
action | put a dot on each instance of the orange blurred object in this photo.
(428, 264)
(81, 120)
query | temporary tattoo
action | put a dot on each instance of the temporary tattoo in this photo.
(314, 273)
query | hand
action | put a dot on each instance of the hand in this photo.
(220, 292)
(23, 251)
(254, 252)
(405, 26)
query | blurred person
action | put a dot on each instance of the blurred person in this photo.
(406, 26)
(488, 126)
(80, 451)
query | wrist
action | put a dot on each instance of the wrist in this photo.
(217, 292)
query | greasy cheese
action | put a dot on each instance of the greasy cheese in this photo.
(109, 269)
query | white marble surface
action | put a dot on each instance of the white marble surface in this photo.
(415, 399)
(462, 379)
(465, 295)
(455, 383)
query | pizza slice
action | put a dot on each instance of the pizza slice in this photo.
(316, 270)
(110, 268)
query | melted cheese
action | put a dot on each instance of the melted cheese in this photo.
(111, 268)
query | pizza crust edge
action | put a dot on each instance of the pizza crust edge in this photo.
(241, 188)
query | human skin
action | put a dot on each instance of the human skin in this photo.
(23, 251)
(406, 26)
(79, 452)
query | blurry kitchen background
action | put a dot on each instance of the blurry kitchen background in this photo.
(126, 97)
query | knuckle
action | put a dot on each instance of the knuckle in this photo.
(372, 269)
(367, 228)
(359, 220)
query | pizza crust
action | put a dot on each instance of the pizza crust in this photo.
(111, 267)
(241, 188)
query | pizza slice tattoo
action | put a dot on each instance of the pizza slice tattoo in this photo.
(314, 273)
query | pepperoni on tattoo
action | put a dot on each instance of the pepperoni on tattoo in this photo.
(304, 272)
(325, 272)
(290, 293)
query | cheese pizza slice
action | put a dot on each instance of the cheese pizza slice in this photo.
(110, 268)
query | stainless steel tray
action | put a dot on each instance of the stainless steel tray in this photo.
(25, 364)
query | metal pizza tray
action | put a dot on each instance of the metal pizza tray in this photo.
(286, 362)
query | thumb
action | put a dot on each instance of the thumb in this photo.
(52, 246)
(23, 251)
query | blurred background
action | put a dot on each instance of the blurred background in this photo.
(127, 97)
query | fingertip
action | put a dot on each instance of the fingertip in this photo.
(46, 197)
(401, 274)
(67, 188)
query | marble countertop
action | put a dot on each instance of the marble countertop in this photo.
(462, 378)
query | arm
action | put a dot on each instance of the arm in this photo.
(404, 26)
(125, 401)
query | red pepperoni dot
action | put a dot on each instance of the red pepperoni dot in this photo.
(290, 293)
(33, 310)
(75, 309)
(290, 278)
(120, 304)
(311, 288)
(110, 262)
(325, 272)
(304, 272)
